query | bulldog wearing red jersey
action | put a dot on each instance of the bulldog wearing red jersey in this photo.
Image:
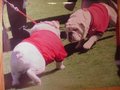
(90, 23)
(33, 54)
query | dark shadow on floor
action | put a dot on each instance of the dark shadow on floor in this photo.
(70, 48)
(107, 37)
(8, 81)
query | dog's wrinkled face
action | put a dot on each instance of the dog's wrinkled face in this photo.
(74, 32)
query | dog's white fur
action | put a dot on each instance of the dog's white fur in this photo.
(79, 23)
(26, 58)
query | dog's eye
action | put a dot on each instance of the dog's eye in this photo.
(75, 29)
(82, 26)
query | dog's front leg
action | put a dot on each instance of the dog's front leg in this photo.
(78, 45)
(60, 65)
(92, 40)
(15, 77)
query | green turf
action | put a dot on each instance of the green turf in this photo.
(95, 68)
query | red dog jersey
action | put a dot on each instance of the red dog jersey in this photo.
(48, 44)
(100, 18)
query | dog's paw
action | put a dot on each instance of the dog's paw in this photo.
(61, 67)
(92, 40)
(37, 82)
(87, 46)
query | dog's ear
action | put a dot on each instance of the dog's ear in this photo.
(86, 22)
(84, 31)
(56, 23)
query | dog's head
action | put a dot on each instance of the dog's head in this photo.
(75, 32)
(78, 25)
(52, 26)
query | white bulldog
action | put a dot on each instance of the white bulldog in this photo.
(90, 23)
(33, 54)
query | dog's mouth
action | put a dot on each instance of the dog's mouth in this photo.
(73, 36)
(70, 38)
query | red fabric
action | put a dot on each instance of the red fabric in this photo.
(100, 18)
(49, 45)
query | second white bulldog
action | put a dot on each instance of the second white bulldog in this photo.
(90, 23)
(34, 53)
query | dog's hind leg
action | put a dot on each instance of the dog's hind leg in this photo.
(32, 75)
(15, 77)
(112, 13)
